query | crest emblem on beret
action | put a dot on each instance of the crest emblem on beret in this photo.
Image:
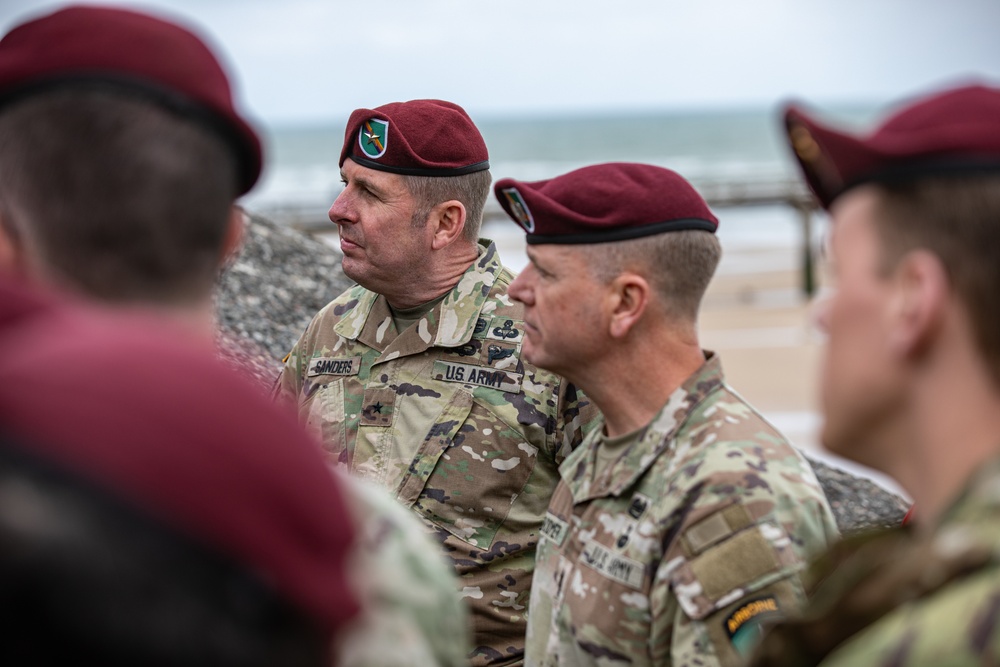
(373, 137)
(519, 209)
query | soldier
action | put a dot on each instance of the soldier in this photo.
(681, 526)
(156, 510)
(911, 382)
(122, 153)
(414, 378)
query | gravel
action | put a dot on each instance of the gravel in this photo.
(282, 277)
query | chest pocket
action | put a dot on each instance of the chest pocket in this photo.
(324, 417)
(468, 472)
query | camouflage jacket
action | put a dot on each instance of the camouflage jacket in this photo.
(682, 548)
(905, 599)
(410, 615)
(449, 418)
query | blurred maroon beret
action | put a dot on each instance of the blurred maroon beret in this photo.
(956, 131)
(127, 404)
(136, 52)
(604, 202)
(415, 138)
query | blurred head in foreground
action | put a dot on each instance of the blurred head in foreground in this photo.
(154, 509)
(914, 335)
(121, 155)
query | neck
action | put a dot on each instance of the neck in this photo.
(443, 271)
(633, 380)
(953, 429)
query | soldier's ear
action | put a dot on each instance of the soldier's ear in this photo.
(232, 242)
(919, 302)
(447, 222)
(628, 298)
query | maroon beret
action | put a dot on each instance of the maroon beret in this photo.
(415, 138)
(137, 52)
(604, 202)
(952, 132)
(125, 403)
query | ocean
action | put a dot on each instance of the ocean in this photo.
(707, 147)
(742, 146)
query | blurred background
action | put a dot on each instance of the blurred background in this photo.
(556, 84)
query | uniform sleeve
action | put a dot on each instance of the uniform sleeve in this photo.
(288, 385)
(724, 581)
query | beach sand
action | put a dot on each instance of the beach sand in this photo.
(757, 318)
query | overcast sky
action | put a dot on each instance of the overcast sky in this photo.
(306, 61)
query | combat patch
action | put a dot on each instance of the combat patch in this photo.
(505, 381)
(744, 626)
(554, 529)
(613, 566)
(334, 366)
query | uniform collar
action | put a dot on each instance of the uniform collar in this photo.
(658, 439)
(449, 324)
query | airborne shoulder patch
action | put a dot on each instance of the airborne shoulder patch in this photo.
(745, 625)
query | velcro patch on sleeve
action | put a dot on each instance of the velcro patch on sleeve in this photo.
(715, 528)
(735, 563)
(334, 366)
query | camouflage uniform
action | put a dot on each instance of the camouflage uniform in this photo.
(679, 550)
(905, 599)
(410, 614)
(447, 417)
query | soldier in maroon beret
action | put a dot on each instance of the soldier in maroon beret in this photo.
(911, 381)
(121, 155)
(154, 508)
(414, 378)
(679, 526)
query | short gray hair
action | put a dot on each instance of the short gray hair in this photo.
(470, 189)
(678, 265)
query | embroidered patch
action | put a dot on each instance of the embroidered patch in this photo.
(373, 137)
(554, 528)
(499, 355)
(470, 349)
(378, 407)
(744, 626)
(507, 330)
(478, 375)
(334, 366)
(482, 325)
(519, 209)
(638, 506)
(611, 565)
